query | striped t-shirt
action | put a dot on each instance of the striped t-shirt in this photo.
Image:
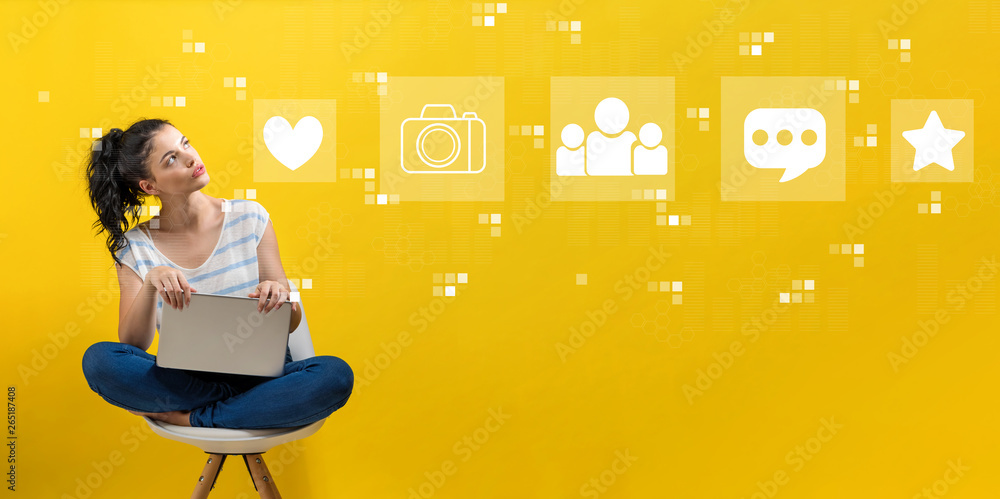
(230, 270)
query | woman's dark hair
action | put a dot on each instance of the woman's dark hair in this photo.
(116, 165)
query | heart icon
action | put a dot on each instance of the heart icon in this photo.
(292, 147)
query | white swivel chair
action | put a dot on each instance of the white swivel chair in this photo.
(248, 444)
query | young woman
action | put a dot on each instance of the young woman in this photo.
(197, 244)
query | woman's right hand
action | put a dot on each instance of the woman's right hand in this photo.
(171, 285)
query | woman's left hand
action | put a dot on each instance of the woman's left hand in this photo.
(271, 294)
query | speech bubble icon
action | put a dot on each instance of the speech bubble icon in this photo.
(791, 138)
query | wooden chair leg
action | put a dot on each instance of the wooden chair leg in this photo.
(206, 482)
(262, 479)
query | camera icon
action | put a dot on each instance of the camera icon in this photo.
(446, 144)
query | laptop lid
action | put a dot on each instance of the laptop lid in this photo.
(224, 334)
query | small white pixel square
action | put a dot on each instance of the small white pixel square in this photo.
(85, 134)
(180, 101)
(664, 286)
(755, 50)
(449, 278)
(168, 101)
(43, 96)
(935, 207)
(369, 77)
(661, 220)
(841, 84)
(369, 173)
(307, 283)
(539, 129)
(845, 249)
(484, 218)
(199, 47)
(859, 249)
(661, 194)
(904, 44)
(703, 112)
(872, 142)
(487, 21)
(574, 25)
(677, 286)
(768, 37)
(154, 211)
(563, 25)
(852, 85)
(893, 44)
(581, 279)
(381, 77)
(494, 218)
(525, 129)
(674, 220)
(784, 297)
(437, 290)
(393, 198)
(463, 278)
(251, 193)
(187, 47)
(502, 8)
(96, 133)
(935, 195)
(449, 290)
(154, 223)
(796, 297)
(241, 82)
(796, 284)
(685, 219)
(810, 284)
(237, 193)
(381, 199)
(294, 296)
(226, 206)
(227, 81)
(647, 193)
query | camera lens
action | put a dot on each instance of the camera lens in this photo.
(438, 145)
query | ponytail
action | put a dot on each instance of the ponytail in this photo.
(116, 165)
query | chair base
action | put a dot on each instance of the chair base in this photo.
(263, 481)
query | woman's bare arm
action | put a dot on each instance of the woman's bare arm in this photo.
(136, 309)
(269, 268)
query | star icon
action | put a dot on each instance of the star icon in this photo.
(933, 143)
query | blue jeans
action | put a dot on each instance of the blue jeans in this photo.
(309, 390)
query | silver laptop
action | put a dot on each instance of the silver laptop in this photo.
(224, 334)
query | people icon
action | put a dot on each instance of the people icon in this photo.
(649, 156)
(569, 156)
(611, 150)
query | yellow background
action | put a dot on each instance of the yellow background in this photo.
(495, 345)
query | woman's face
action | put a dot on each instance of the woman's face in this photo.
(174, 164)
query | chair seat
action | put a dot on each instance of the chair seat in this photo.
(230, 440)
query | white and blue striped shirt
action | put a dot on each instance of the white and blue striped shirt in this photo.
(232, 267)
